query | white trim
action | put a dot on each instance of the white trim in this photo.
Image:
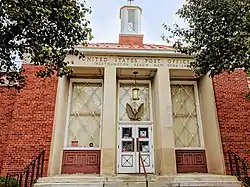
(137, 123)
(132, 52)
(80, 148)
(101, 116)
(68, 115)
(135, 135)
(151, 117)
(189, 148)
(198, 111)
(80, 80)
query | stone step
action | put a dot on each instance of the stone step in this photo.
(179, 180)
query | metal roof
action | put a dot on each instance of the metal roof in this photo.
(126, 46)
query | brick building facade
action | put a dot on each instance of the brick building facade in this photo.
(27, 118)
(233, 112)
(126, 102)
(26, 121)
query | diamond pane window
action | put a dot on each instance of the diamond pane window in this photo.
(125, 96)
(184, 105)
(85, 114)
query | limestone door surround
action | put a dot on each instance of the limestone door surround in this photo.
(164, 143)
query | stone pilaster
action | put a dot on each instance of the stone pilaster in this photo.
(108, 154)
(164, 137)
(57, 143)
(211, 130)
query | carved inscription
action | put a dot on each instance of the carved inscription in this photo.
(103, 61)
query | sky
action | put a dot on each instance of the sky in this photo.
(105, 20)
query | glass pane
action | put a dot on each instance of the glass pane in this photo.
(127, 146)
(131, 20)
(144, 146)
(186, 127)
(125, 97)
(146, 160)
(143, 132)
(127, 132)
(85, 112)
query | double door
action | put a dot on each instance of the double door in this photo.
(135, 144)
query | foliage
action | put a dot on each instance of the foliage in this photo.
(218, 34)
(247, 94)
(46, 30)
(12, 182)
(248, 73)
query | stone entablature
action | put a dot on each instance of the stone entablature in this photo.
(129, 62)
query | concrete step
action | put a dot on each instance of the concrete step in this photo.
(179, 180)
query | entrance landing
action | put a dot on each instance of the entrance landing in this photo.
(178, 180)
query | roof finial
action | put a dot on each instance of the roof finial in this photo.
(130, 1)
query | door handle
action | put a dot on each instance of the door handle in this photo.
(133, 143)
(137, 144)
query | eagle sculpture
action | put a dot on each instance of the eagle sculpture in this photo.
(133, 114)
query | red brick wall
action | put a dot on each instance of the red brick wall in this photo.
(233, 112)
(27, 120)
(7, 99)
(131, 40)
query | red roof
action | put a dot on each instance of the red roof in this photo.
(125, 46)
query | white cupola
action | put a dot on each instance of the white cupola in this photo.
(131, 20)
(131, 25)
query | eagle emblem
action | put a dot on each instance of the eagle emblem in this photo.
(133, 114)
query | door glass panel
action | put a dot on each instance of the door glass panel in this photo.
(133, 140)
(144, 146)
(143, 132)
(146, 160)
(127, 132)
(127, 161)
(127, 146)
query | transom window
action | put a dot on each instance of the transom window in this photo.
(85, 114)
(185, 115)
(125, 96)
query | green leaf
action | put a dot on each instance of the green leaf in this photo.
(217, 35)
(44, 30)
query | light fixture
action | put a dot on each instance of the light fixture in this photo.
(135, 90)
